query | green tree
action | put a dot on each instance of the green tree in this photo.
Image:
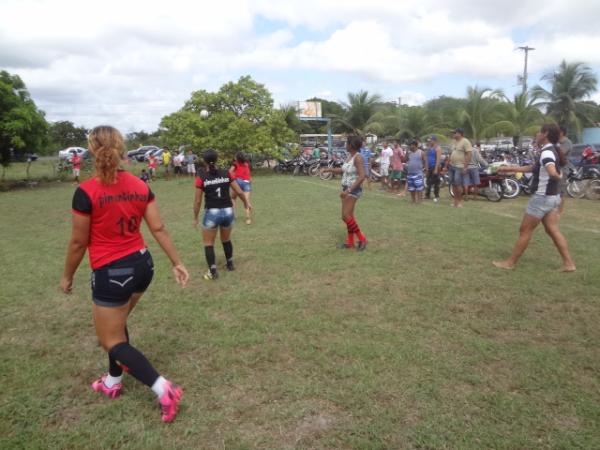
(521, 116)
(65, 134)
(481, 111)
(357, 111)
(240, 117)
(22, 124)
(443, 113)
(570, 85)
(136, 139)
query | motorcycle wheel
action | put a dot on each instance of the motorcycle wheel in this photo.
(325, 176)
(593, 190)
(494, 192)
(313, 170)
(577, 188)
(512, 189)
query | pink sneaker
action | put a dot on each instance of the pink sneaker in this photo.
(169, 401)
(113, 392)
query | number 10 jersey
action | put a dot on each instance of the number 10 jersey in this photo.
(116, 212)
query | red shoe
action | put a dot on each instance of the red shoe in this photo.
(169, 401)
(113, 392)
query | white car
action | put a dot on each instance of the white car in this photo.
(68, 153)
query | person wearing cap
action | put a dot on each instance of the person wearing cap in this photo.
(460, 157)
(434, 161)
(416, 162)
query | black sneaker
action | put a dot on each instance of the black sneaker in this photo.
(230, 266)
(362, 245)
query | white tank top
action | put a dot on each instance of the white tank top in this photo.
(349, 172)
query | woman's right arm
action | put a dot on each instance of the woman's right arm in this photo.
(80, 236)
(160, 233)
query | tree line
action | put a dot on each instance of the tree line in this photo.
(241, 116)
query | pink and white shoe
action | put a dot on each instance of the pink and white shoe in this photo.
(169, 401)
(113, 392)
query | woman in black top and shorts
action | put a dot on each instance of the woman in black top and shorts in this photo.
(214, 184)
(544, 202)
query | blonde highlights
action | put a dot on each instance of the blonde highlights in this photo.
(107, 146)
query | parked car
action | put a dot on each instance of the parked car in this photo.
(68, 152)
(139, 153)
(22, 156)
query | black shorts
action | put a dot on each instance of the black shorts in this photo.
(114, 283)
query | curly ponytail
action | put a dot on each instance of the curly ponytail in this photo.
(107, 146)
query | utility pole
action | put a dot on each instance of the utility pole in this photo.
(526, 49)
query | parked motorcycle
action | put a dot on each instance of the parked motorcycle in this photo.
(491, 186)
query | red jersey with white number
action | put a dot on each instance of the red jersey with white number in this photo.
(116, 212)
(241, 171)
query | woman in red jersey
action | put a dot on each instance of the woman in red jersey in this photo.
(107, 214)
(240, 172)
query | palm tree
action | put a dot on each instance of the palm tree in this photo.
(570, 85)
(521, 116)
(357, 111)
(481, 111)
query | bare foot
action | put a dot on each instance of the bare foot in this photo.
(567, 269)
(503, 265)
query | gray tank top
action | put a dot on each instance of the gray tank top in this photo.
(415, 162)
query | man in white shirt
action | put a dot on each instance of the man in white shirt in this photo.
(386, 157)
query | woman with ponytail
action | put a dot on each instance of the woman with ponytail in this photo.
(108, 210)
(214, 184)
(353, 174)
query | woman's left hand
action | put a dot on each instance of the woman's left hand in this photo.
(66, 284)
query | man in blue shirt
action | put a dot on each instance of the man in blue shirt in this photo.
(367, 155)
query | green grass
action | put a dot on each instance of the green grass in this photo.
(416, 343)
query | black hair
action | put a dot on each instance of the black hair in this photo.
(551, 131)
(241, 157)
(210, 157)
(355, 142)
(563, 129)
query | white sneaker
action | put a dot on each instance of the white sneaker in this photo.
(435, 200)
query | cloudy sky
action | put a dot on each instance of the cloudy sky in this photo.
(128, 63)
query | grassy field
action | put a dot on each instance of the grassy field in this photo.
(419, 342)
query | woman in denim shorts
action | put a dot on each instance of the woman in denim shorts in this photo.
(353, 175)
(544, 202)
(213, 186)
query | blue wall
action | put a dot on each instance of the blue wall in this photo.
(591, 136)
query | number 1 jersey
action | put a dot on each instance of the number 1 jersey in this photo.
(216, 188)
(116, 212)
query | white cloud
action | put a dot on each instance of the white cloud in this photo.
(131, 62)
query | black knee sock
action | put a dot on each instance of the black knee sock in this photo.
(114, 368)
(228, 249)
(137, 363)
(209, 252)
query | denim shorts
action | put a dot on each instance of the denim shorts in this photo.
(455, 175)
(356, 193)
(218, 217)
(414, 182)
(114, 283)
(540, 205)
(244, 185)
(471, 178)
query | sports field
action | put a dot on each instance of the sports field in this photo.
(418, 342)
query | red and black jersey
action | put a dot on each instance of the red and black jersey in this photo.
(241, 170)
(116, 213)
(216, 188)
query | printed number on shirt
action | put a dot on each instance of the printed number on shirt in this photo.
(218, 192)
(131, 225)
